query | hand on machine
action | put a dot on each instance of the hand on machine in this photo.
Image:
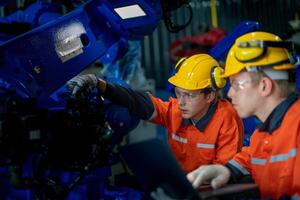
(82, 84)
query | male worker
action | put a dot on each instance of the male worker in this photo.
(202, 129)
(257, 66)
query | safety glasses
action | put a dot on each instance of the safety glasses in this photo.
(191, 96)
(238, 85)
(187, 96)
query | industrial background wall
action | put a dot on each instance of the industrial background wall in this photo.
(272, 15)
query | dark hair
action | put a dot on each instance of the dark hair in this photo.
(206, 91)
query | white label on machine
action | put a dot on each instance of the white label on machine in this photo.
(128, 12)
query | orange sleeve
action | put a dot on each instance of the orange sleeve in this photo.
(161, 111)
(230, 139)
(243, 159)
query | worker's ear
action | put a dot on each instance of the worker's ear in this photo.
(210, 97)
(266, 86)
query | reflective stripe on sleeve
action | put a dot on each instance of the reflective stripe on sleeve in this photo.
(179, 139)
(258, 161)
(239, 167)
(205, 146)
(283, 157)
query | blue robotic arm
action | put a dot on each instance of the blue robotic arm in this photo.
(40, 61)
(34, 67)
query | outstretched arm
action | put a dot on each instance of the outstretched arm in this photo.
(138, 103)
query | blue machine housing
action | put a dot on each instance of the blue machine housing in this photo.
(36, 65)
(36, 14)
(39, 62)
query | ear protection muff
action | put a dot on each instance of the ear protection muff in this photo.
(216, 79)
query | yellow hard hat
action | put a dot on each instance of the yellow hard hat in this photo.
(258, 49)
(194, 72)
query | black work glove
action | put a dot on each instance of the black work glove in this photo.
(82, 84)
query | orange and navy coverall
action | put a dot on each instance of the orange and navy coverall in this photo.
(215, 138)
(272, 157)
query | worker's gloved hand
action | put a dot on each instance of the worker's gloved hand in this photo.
(216, 175)
(82, 83)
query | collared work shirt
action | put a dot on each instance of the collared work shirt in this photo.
(272, 157)
(216, 139)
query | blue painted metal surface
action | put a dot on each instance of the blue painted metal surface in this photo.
(40, 61)
(36, 14)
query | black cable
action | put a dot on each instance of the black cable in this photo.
(171, 26)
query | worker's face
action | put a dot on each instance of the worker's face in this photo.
(193, 104)
(244, 94)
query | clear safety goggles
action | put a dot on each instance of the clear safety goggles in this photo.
(187, 96)
(191, 96)
(238, 85)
